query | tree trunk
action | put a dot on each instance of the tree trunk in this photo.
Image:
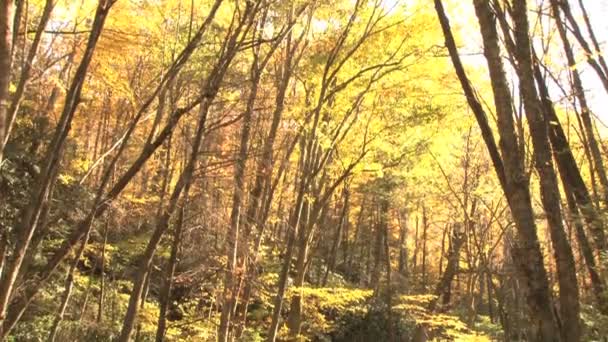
(598, 283)
(31, 213)
(378, 236)
(594, 58)
(183, 184)
(575, 191)
(390, 321)
(489, 287)
(443, 238)
(102, 274)
(569, 169)
(443, 287)
(165, 295)
(403, 252)
(292, 232)
(358, 233)
(232, 284)
(564, 258)
(6, 42)
(254, 215)
(230, 290)
(425, 226)
(579, 93)
(294, 320)
(511, 174)
(264, 213)
(294, 226)
(331, 263)
(67, 292)
(102, 202)
(26, 71)
(527, 255)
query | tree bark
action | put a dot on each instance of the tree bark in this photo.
(425, 226)
(577, 194)
(231, 283)
(390, 320)
(337, 237)
(183, 184)
(67, 292)
(403, 251)
(594, 58)
(292, 232)
(579, 93)
(443, 287)
(527, 255)
(568, 168)
(442, 290)
(40, 194)
(102, 276)
(165, 295)
(566, 271)
(103, 201)
(377, 250)
(26, 71)
(509, 170)
(6, 47)
(294, 319)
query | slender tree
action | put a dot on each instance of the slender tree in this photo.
(6, 45)
(509, 168)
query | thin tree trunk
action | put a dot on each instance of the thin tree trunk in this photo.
(142, 303)
(297, 222)
(102, 275)
(85, 302)
(579, 93)
(18, 14)
(490, 297)
(346, 239)
(594, 58)
(378, 236)
(564, 258)
(596, 44)
(453, 256)
(575, 191)
(292, 231)
(67, 292)
(6, 47)
(337, 237)
(569, 169)
(26, 71)
(511, 174)
(416, 246)
(31, 213)
(264, 213)
(294, 319)
(358, 233)
(102, 202)
(390, 321)
(598, 283)
(3, 248)
(425, 226)
(165, 294)
(145, 263)
(443, 238)
(443, 287)
(231, 282)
